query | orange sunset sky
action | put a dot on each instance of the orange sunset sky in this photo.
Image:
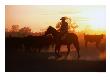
(40, 17)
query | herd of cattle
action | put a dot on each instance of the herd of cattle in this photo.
(30, 43)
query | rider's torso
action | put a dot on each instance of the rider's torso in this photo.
(64, 26)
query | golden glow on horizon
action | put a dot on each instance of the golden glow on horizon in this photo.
(40, 17)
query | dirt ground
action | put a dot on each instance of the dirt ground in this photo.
(92, 60)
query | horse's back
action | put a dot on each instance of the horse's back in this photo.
(72, 35)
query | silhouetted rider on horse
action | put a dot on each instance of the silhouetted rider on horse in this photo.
(63, 37)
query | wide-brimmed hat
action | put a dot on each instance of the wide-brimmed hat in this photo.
(63, 18)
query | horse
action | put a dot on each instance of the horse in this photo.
(70, 38)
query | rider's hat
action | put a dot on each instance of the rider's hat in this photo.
(63, 18)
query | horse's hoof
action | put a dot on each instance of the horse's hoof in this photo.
(60, 58)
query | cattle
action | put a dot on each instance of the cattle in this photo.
(13, 43)
(28, 43)
(37, 42)
(93, 38)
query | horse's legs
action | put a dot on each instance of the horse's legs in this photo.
(76, 44)
(68, 46)
(57, 49)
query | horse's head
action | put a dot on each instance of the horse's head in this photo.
(50, 30)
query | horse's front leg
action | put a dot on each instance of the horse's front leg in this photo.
(68, 46)
(57, 50)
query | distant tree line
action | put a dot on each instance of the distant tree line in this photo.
(16, 31)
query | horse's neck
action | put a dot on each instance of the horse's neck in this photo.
(55, 33)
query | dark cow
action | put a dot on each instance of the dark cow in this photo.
(13, 43)
(93, 38)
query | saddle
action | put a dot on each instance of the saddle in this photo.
(64, 34)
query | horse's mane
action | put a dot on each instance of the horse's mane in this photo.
(52, 28)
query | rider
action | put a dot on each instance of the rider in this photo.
(63, 27)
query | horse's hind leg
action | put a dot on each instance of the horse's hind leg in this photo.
(76, 44)
(77, 48)
(78, 53)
